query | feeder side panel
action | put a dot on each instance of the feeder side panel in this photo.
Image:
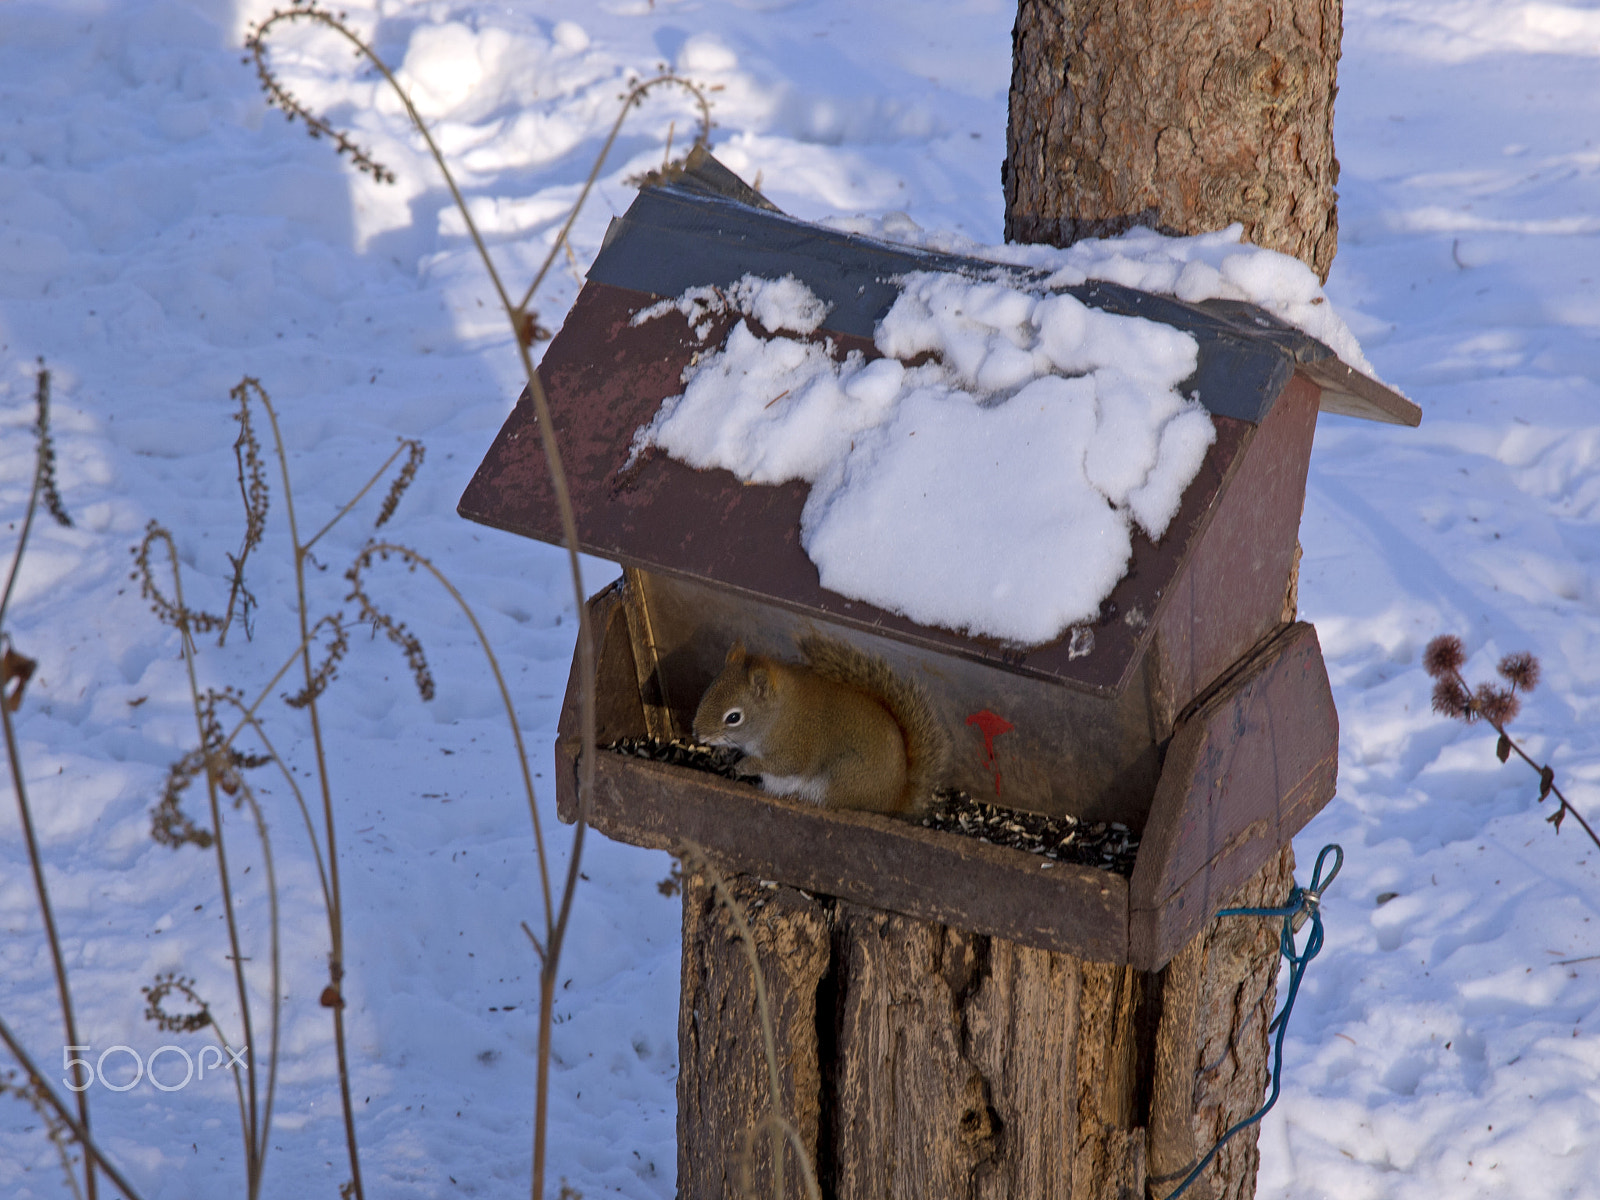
(618, 713)
(1242, 776)
(1229, 593)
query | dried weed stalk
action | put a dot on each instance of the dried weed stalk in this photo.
(42, 1088)
(1497, 705)
(253, 492)
(397, 632)
(526, 330)
(402, 481)
(30, 1092)
(221, 764)
(16, 669)
(328, 668)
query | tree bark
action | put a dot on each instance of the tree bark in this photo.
(1181, 115)
(920, 1061)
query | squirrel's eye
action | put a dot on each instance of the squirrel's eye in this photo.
(734, 716)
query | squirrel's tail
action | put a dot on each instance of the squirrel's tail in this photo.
(927, 741)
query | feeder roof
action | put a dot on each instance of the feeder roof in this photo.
(605, 376)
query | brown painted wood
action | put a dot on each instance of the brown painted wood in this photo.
(1242, 776)
(1230, 590)
(1180, 117)
(864, 857)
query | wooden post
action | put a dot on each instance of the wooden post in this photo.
(921, 1061)
(1183, 117)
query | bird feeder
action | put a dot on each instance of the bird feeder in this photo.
(947, 1008)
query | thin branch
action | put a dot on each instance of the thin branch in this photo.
(364, 561)
(1496, 706)
(91, 1151)
(43, 482)
(405, 444)
(57, 960)
(632, 100)
(333, 994)
(254, 1145)
(249, 718)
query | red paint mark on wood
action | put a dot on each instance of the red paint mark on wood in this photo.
(991, 725)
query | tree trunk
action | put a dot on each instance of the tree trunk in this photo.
(1182, 115)
(920, 1061)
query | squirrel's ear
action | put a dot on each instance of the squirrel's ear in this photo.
(760, 679)
(736, 654)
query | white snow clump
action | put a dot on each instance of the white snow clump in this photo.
(1207, 266)
(993, 488)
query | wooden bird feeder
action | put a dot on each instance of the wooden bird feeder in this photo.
(919, 976)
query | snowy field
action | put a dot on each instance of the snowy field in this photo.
(163, 234)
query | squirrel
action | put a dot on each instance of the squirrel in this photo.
(843, 730)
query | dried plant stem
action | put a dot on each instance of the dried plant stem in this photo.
(275, 988)
(586, 765)
(254, 494)
(405, 444)
(43, 485)
(784, 1129)
(63, 991)
(257, 45)
(334, 996)
(14, 758)
(378, 550)
(1543, 771)
(254, 1144)
(249, 718)
(16, 559)
(1453, 697)
(635, 95)
(248, 712)
(549, 948)
(91, 1151)
(523, 335)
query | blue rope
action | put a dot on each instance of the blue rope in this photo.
(1303, 903)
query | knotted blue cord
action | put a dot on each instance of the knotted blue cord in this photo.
(1303, 902)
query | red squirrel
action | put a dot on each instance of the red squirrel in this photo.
(842, 730)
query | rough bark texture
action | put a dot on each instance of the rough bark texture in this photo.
(1213, 1053)
(1183, 115)
(722, 1071)
(920, 1061)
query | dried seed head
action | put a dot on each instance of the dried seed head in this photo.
(1443, 656)
(1496, 705)
(1520, 670)
(166, 985)
(1450, 699)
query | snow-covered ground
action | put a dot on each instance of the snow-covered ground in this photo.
(163, 234)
